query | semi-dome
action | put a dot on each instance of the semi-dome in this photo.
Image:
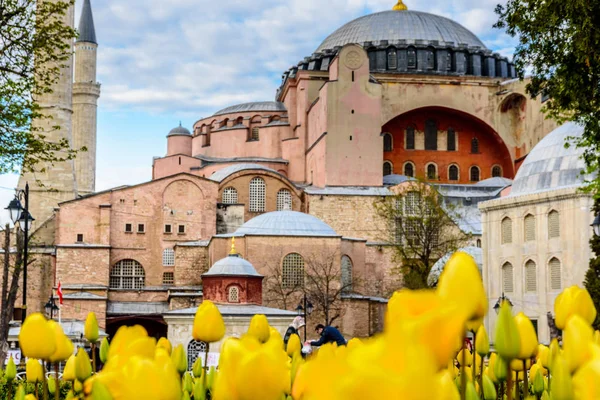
(395, 26)
(179, 130)
(550, 165)
(232, 265)
(286, 223)
(257, 106)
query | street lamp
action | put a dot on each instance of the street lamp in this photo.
(501, 300)
(596, 225)
(21, 214)
(303, 311)
(51, 306)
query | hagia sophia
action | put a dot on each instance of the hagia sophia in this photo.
(385, 98)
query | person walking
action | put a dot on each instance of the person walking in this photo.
(329, 334)
(293, 329)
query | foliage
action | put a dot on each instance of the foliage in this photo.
(559, 46)
(421, 229)
(592, 276)
(278, 292)
(34, 45)
(29, 388)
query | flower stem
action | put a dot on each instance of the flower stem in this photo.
(508, 382)
(57, 386)
(525, 380)
(44, 382)
(474, 366)
(481, 378)
(205, 367)
(10, 390)
(94, 370)
(463, 377)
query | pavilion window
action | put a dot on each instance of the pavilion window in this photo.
(387, 142)
(496, 171)
(194, 350)
(506, 228)
(474, 146)
(553, 224)
(392, 59)
(409, 170)
(555, 274)
(410, 138)
(431, 135)
(411, 58)
(451, 140)
(387, 168)
(529, 225)
(530, 276)
(233, 295)
(453, 173)
(507, 278)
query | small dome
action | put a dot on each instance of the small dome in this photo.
(232, 265)
(551, 166)
(179, 130)
(286, 223)
(257, 106)
(438, 267)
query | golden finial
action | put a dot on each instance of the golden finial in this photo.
(400, 6)
(232, 252)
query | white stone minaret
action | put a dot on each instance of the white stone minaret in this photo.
(85, 102)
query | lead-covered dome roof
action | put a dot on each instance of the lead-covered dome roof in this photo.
(286, 223)
(394, 26)
(232, 265)
(179, 131)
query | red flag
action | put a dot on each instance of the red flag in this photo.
(60, 293)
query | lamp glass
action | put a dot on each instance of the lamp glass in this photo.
(596, 225)
(14, 209)
(309, 308)
(299, 310)
(26, 218)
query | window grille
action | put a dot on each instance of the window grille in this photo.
(474, 172)
(412, 201)
(409, 170)
(410, 138)
(506, 230)
(234, 295)
(346, 274)
(530, 276)
(284, 200)
(555, 274)
(387, 168)
(496, 171)
(529, 228)
(411, 229)
(431, 133)
(230, 196)
(387, 142)
(168, 258)
(474, 146)
(392, 59)
(168, 278)
(257, 195)
(194, 350)
(254, 133)
(451, 139)
(553, 224)
(411, 59)
(127, 274)
(453, 173)
(431, 171)
(507, 278)
(293, 271)
(430, 59)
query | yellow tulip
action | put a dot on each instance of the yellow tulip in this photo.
(208, 323)
(69, 371)
(461, 283)
(272, 381)
(489, 390)
(20, 395)
(527, 336)
(538, 383)
(293, 346)
(30, 397)
(51, 385)
(508, 342)
(36, 337)
(554, 351)
(83, 365)
(474, 324)
(259, 328)
(543, 355)
(34, 371)
(100, 391)
(517, 364)
(104, 348)
(188, 383)
(597, 337)
(586, 381)
(466, 355)
(210, 378)
(471, 392)
(11, 370)
(199, 390)
(90, 328)
(482, 342)
(179, 359)
(64, 347)
(165, 344)
(573, 301)
(500, 369)
(447, 388)
(561, 385)
(197, 369)
(577, 341)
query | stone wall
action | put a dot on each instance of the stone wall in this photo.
(190, 263)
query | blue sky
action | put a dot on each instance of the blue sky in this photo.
(161, 62)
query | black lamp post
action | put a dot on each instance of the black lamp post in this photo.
(51, 306)
(21, 214)
(596, 225)
(501, 300)
(303, 311)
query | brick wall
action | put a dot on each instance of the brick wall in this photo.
(190, 264)
(217, 289)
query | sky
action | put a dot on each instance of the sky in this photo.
(161, 62)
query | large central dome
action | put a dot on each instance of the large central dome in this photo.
(395, 26)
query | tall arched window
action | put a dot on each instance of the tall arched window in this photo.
(410, 138)
(555, 274)
(293, 271)
(478, 243)
(432, 171)
(553, 224)
(230, 195)
(168, 257)
(254, 133)
(387, 142)
(507, 278)
(474, 174)
(233, 294)
(430, 57)
(496, 171)
(474, 146)
(431, 134)
(346, 274)
(409, 169)
(388, 169)
(194, 350)
(453, 173)
(506, 228)
(411, 58)
(530, 276)
(127, 274)
(284, 200)
(529, 225)
(257, 194)
(451, 140)
(392, 59)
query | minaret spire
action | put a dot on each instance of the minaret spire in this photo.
(87, 32)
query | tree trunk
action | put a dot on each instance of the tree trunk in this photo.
(8, 302)
(3, 326)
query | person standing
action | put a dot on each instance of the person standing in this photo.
(293, 329)
(329, 334)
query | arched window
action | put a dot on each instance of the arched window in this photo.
(449, 61)
(387, 142)
(432, 171)
(257, 194)
(451, 140)
(507, 278)
(233, 294)
(194, 350)
(293, 271)
(553, 224)
(392, 59)
(410, 138)
(127, 274)
(496, 171)
(506, 230)
(284, 200)
(388, 169)
(530, 276)
(411, 58)
(453, 173)
(431, 134)
(168, 257)
(223, 123)
(479, 243)
(474, 174)
(230, 195)
(239, 121)
(346, 274)
(409, 169)
(529, 225)
(474, 146)
(430, 57)
(555, 275)
(254, 133)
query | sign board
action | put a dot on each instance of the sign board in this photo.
(213, 359)
(16, 355)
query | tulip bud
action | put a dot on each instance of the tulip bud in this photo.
(91, 328)
(561, 385)
(508, 342)
(500, 369)
(571, 301)
(210, 378)
(538, 383)
(20, 395)
(188, 383)
(69, 371)
(34, 371)
(545, 396)
(104, 348)
(259, 328)
(36, 338)
(100, 391)
(185, 396)
(64, 347)
(30, 397)
(179, 359)
(528, 338)
(197, 368)
(471, 392)
(208, 323)
(543, 354)
(467, 357)
(577, 340)
(83, 366)
(51, 385)
(11, 370)
(199, 390)
(482, 342)
(77, 386)
(165, 344)
(293, 346)
(489, 390)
